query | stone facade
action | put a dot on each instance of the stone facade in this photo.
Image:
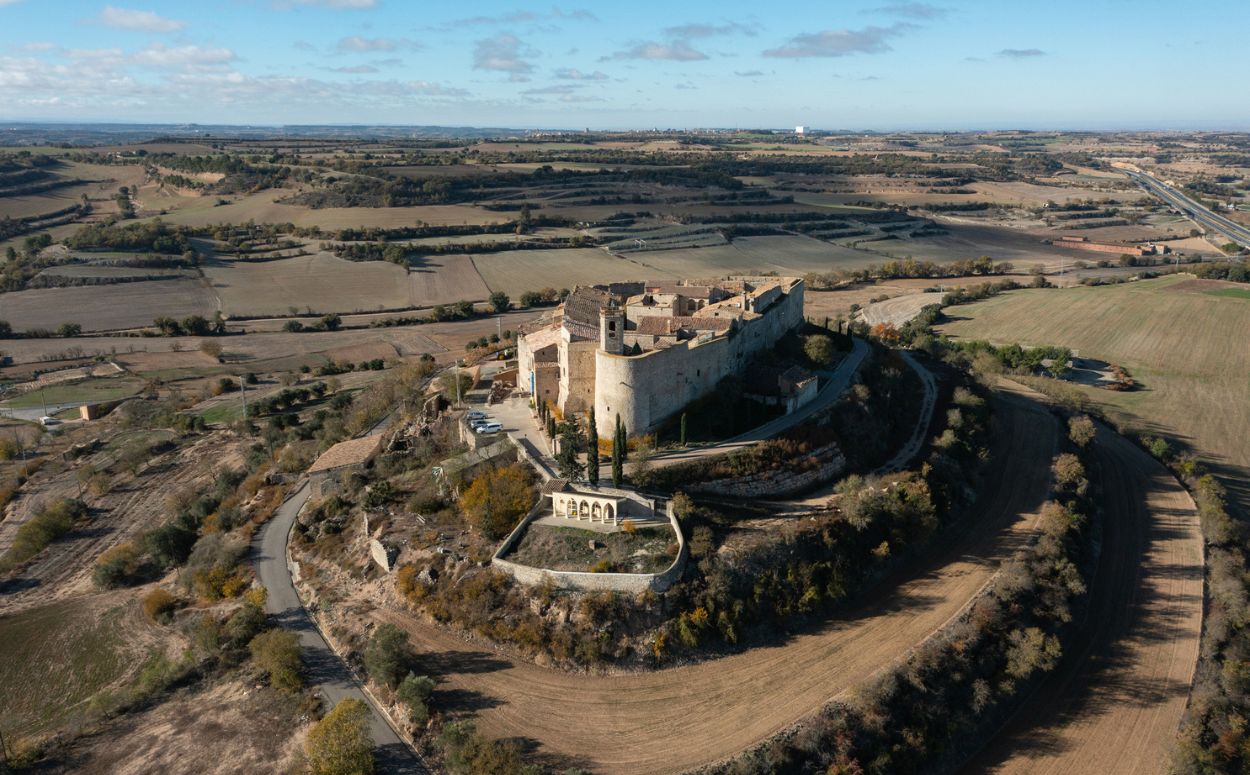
(648, 355)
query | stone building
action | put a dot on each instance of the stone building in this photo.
(646, 350)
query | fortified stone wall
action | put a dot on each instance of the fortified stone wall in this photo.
(577, 363)
(647, 389)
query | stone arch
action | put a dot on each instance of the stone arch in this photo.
(584, 509)
(570, 507)
(595, 512)
(608, 514)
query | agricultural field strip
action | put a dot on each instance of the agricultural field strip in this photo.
(684, 717)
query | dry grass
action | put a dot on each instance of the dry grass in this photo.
(262, 208)
(323, 283)
(106, 307)
(517, 271)
(1183, 344)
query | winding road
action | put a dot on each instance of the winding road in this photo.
(1115, 703)
(322, 666)
(675, 719)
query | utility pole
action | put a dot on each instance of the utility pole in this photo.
(243, 390)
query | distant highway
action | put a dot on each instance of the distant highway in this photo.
(1194, 211)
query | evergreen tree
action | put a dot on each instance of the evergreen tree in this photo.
(551, 427)
(683, 429)
(618, 456)
(592, 450)
(570, 439)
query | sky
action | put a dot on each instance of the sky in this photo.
(834, 64)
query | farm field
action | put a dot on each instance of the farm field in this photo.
(99, 389)
(1180, 341)
(102, 646)
(790, 254)
(106, 307)
(517, 271)
(679, 718)
(262, 208)
(899, 310)
(322, 283)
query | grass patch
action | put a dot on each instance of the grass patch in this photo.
(223, 413)
(1233, 293)
(36, 533)
(648, 550)
(53, 660)
(89, 390)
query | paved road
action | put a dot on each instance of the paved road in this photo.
(1217, 223)
(1115, 703)
(839, 380)
(323, 667)
(913, 445)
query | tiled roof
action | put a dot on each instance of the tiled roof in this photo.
(347, 453)
(583, 305)
(666, 325)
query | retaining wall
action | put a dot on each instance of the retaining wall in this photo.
(629, 583)
(831, 463)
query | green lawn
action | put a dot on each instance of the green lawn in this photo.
(89, 390)
(223, 413)
(1235, 293)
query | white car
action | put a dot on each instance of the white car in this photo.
(47, 420)
(490, 427)
(475, 414)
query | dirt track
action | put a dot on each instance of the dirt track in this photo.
(683, 717)
(1116, 702)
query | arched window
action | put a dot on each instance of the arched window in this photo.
(585, 509)
(608, 515)
(571, 506)
(595, 513)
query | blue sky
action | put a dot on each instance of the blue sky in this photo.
(837, 64)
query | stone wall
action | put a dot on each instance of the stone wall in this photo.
(830, 463)
(577, 364)
(628, 583)
(647, 389)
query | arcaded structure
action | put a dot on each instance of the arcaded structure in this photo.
(645, 350)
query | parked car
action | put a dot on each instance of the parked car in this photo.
(490, 427)
(479, 422)
(47, 421)
(476, 414)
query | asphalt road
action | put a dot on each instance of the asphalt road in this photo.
(323, 667)
(1217, 223)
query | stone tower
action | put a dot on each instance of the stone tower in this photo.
(612, 328)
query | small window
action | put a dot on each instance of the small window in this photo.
(611, 325)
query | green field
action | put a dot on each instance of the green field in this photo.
(1182, 342)
(89, 390)
(1232, 293)
(54, 660)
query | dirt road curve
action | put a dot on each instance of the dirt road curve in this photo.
(1116, 703)
(671, 720)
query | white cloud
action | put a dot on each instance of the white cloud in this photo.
(573, 74)
(355, 69)
(358, 44)
(504, 53)
(157, 55)
(1021, 53)
(676, 51)
(686, 31)
(143, 21)
(840, 43)
(923, 11)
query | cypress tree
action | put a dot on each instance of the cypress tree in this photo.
(551, 427)
(592, 451)
(618, 457)
(683, 429)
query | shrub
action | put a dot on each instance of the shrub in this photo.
(276, 653)
(159, 605)
(116, 566)
(819, 350)
(414, 691)
(49, 524)
(1081, 430)
(387, 655)
(340, 743)
(496, 499)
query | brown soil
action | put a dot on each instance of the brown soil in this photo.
(228, 728)
(1116, 702)
(133, 506)
(674, 719)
